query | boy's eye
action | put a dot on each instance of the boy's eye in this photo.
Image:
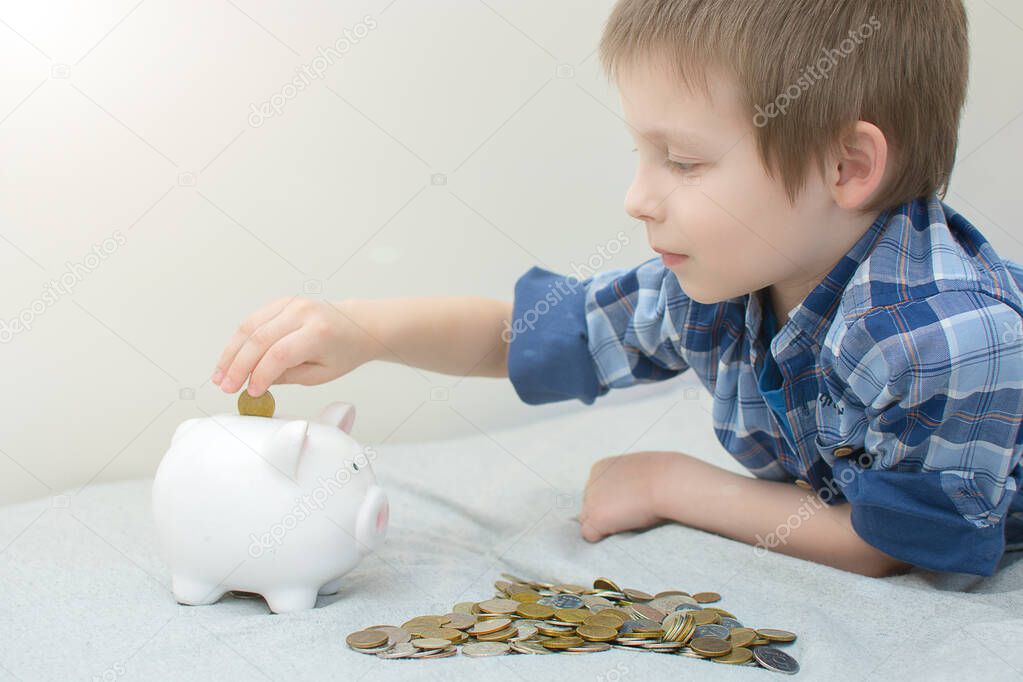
(680, 166)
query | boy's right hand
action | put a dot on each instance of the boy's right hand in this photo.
(293, 341)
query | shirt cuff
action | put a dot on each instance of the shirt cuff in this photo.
(548, 355)
(909, 516)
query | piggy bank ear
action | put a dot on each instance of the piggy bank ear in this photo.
(341, 415)
(283, 448)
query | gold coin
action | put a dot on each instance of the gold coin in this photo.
(708, 646)
(503, 606)
(527, 597)
(562, 642)
(537, 611)
(602, 620)
(737, 656)
(636, 595)
(260, 406)
(430, 643)
(502, 635)
(488, 626)
(722, 612)
(554, 630)
(707, 597)
(617, 613)
(773, 635)
(367, 639)
(571, 615)
(705, 617)
(570, 589)
(460, 621)
(463, 607)
(671, 593)
(740, 637)
(606, 584)
(649, 612)
(596, 633)
(449, 634)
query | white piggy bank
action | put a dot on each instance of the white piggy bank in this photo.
(277, 506)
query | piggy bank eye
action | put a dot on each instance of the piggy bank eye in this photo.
(355, 466)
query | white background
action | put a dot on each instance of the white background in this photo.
(136, 118)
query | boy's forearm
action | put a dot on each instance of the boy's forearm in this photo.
(459, 335)
(756, 511)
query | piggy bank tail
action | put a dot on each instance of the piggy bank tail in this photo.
(371, 525)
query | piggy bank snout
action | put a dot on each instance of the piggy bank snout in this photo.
(371, 526)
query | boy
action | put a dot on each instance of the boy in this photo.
(860, 338)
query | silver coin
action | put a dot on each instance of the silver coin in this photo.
(670, 602)
(402, 650)
(567, 601)
(485, 649)
(546, 601)
(436, 653)
(719, 631)
(395, 635)
(529, 648)
(595, 604)
(730, 622)
(375, 650)
(683, 607)
(686, 651)
(775, 659)
(638, 624)
(663, 646)
(525, 632)
(587, 648)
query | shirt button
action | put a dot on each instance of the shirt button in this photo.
(843, 451)
(803, 484)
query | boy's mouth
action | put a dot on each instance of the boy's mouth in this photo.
(671, 259)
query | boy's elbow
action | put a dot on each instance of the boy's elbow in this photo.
(880, 565)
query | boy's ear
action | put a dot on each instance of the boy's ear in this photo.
(858, 168)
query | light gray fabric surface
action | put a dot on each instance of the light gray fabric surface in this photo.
(86, 595)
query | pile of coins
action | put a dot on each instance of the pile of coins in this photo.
(531, 617)
(260, 406)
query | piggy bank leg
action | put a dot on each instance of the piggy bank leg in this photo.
(332, 587)
(283, 601)
(195, 592)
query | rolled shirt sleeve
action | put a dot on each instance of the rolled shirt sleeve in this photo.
(579, 338)
(934, 388)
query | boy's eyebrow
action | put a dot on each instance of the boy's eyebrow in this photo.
(685, 137)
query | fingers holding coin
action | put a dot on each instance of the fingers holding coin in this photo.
(244, 331)
(253, 346)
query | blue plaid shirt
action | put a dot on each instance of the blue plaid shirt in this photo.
(901, 373)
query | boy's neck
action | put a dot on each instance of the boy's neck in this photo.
(784, 296)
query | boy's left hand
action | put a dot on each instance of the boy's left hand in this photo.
(619, 494)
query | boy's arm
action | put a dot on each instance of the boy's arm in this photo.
(580, 338)
(459, 335)
(765, 513)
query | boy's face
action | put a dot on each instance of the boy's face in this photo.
(710, 198)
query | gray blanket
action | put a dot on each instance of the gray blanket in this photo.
(85, 593)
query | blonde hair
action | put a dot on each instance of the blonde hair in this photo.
(902, 65)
